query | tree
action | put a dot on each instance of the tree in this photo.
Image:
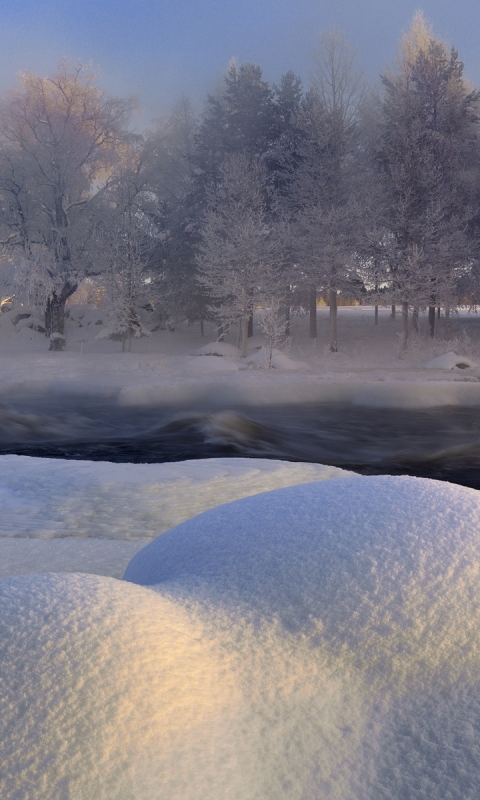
(178, 209)
(427, 154)
(59, 142)
(322, 192)
(127, 239)
(239, 251)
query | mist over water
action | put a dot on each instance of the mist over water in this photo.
(441, 443)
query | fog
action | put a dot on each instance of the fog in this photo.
(161, 50)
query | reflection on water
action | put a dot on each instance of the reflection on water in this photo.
(439, 443)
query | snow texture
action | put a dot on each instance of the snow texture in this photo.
(84, 516)
(46, 498)
(320, 641)
(261, 360)
(219, 349)
(450, 361)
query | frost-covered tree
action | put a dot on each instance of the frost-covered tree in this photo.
(240, 254)
(322, 190)
(125, 242)
(428, 154)
(59, 138)
(273, 324)
(172, 185)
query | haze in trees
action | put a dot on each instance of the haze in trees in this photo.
(371, 196)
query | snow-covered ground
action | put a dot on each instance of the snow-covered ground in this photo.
(166, 369)
(320, 641)
(85, 516)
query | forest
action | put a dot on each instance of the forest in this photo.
(273, 197)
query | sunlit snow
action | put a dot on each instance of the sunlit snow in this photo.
(318, 641)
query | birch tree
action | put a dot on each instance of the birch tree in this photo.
(239, 255)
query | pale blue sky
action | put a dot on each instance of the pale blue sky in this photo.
(161, 48)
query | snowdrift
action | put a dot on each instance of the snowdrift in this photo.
(450, 361)
(319, 641)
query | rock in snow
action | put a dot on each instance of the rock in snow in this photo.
(319, 641)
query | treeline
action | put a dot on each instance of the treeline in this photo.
(273, 196)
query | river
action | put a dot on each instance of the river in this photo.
(442, 443)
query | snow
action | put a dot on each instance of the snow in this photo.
(219, 349)
(450, 361)
(375, 581)
(314, 638)
(261, 359)
(98, 514)
(317, 641)
(161, 370)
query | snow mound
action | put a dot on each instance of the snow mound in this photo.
(450, 361)
(219, 349)
(109, 691)
(320, 641)
(364, 596)
(261, 358)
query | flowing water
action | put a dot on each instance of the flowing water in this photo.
(442, 443)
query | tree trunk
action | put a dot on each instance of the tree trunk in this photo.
(55, 316)
(333, 321)
(376, 314)
(313, 312)
(245, 337)
(405, 327)
(287, 319)
(393, 312)
(202, 329)
(431, 321)
(220, 333)
(447, 324)
(55, 322)
(439, 312)
(250, 326)
(415, 324)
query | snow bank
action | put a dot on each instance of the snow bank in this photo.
(44, 498)
(219, 349)
(261, 359)
(375, 580)
(321, 641)
(450, 361)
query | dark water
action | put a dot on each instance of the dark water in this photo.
(442, 443)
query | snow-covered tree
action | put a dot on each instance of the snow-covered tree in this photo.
(273, 324)
(58, 144)
(125, 242)
(427, 153)
(322, 187)
(240, 255)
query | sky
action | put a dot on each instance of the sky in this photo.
(161, 49)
